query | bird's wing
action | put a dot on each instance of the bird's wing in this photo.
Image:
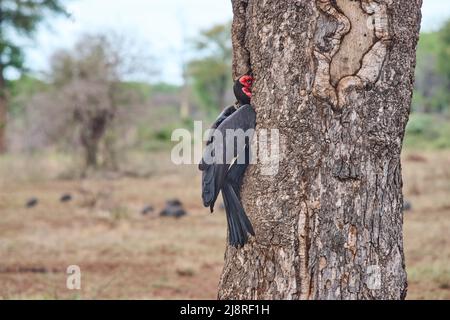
(209, 189)
(228, 111)
(214, 172)
(243, 157)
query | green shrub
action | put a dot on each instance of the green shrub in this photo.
(428, 132)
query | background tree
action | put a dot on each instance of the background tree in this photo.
(210, 73)
(89, 100)
(444, 57)
(336, 79)
(430, 94)
(88, 78)
(18, 18)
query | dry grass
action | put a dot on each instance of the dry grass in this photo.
(427, 226)
(125, 255)
(121, 253)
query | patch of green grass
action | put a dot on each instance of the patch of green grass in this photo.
(427, 132)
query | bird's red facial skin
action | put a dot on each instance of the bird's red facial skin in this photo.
(246, 81)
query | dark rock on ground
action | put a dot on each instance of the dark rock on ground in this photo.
(66, 198)
(147, 210)
(174, 208)
(31, 203)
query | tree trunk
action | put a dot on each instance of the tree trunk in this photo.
(336, 78)
(91, 154)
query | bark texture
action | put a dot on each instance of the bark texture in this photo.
(336, 78)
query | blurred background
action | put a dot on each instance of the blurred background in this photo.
(90, 91)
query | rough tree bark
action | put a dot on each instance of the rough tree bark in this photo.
(336, 78)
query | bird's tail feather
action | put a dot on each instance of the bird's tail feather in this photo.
(239, 226)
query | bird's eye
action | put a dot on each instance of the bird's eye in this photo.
(246, 81)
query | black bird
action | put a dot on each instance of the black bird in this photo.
(224, 173)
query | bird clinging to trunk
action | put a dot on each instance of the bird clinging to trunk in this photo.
(224, 170)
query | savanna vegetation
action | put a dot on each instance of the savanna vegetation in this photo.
(429, 125)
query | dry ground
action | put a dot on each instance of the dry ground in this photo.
(125, 255)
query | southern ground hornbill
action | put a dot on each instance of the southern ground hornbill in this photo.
(224, 170)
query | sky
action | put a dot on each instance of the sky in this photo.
(162, 26)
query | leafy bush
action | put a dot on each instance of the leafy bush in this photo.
(426, 131)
